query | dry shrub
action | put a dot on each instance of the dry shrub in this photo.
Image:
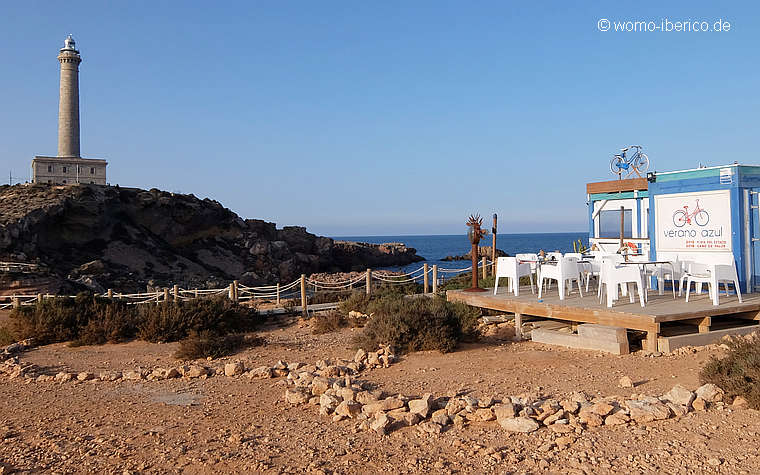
(738, 372)
(83, 319)
(206, 344)
(170, 321)
(6, 336)
(332, 321)
(415, 324)
(357, 302)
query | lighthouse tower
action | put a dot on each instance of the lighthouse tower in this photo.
(68, 167)
(68, 105)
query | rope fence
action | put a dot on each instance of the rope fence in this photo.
(302, 288)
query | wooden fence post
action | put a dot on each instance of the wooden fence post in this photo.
(235, 293)
(166, 294)
(278, 293)
(303, 296)
(110, 293)
(425, 281)
(195, 292)
(16, 302)
(175, 292)
(369, 281)
(39, 298)
(485, 267)
(231, 292)
(435, 278)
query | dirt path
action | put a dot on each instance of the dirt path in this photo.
(226, 425)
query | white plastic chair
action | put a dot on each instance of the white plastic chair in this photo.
(565, 272)
(614, 275)
(533, 258)
(510, 268)
(675, 274)
(713, 275)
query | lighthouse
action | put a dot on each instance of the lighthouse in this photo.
(68, 167)
(68, 103)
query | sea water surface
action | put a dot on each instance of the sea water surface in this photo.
(435, 247)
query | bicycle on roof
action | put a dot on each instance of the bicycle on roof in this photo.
(637, 162)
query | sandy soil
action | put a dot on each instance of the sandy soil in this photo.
(226, 425)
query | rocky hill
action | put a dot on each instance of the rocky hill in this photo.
(127, 239)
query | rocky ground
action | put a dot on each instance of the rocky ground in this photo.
(212, 424)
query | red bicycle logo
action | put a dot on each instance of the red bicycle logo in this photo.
(682, 216)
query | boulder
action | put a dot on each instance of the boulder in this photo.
(590, 418)
(132, 375)
(518, 424)
(625, 382)
(740, 403)
(234, 369)
(699, 404)
(430, 427)
(505, 410)
(328, 403)
(384, 405)
(109, 375)
(710, 393)
(440, 417)
(422, 406)
(410, 418)
(360, 356)
(64, 377)
(85, 376)
(646, 411)
(262, 372)
(680, 395)
(616, 419)
(319, 385)
(296, 396)
(196, 371)
(380, 424)
(348, 409)
(602, 408)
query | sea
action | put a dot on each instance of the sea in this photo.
(433, 248)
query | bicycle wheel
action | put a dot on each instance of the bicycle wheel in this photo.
(641, 163)
(679, 218)
(616, 165)
(702, 218)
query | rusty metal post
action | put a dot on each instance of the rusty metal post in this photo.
(493, 246)
(425, 281)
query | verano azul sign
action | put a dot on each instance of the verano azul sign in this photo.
(698, 221)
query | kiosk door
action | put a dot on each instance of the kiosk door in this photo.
(752, 222)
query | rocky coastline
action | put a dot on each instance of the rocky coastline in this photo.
(99, 237)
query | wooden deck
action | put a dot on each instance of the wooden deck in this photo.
(660, 310)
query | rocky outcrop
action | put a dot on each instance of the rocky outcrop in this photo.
(360, 255)
(483, 251)
(101, 237)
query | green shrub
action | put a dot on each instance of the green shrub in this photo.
(170, 321)
(738, 372)
(415, 324)
(83, 318)
(206, 344)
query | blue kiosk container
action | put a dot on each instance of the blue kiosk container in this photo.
(685, 214)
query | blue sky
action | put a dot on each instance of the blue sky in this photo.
(382, 118)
